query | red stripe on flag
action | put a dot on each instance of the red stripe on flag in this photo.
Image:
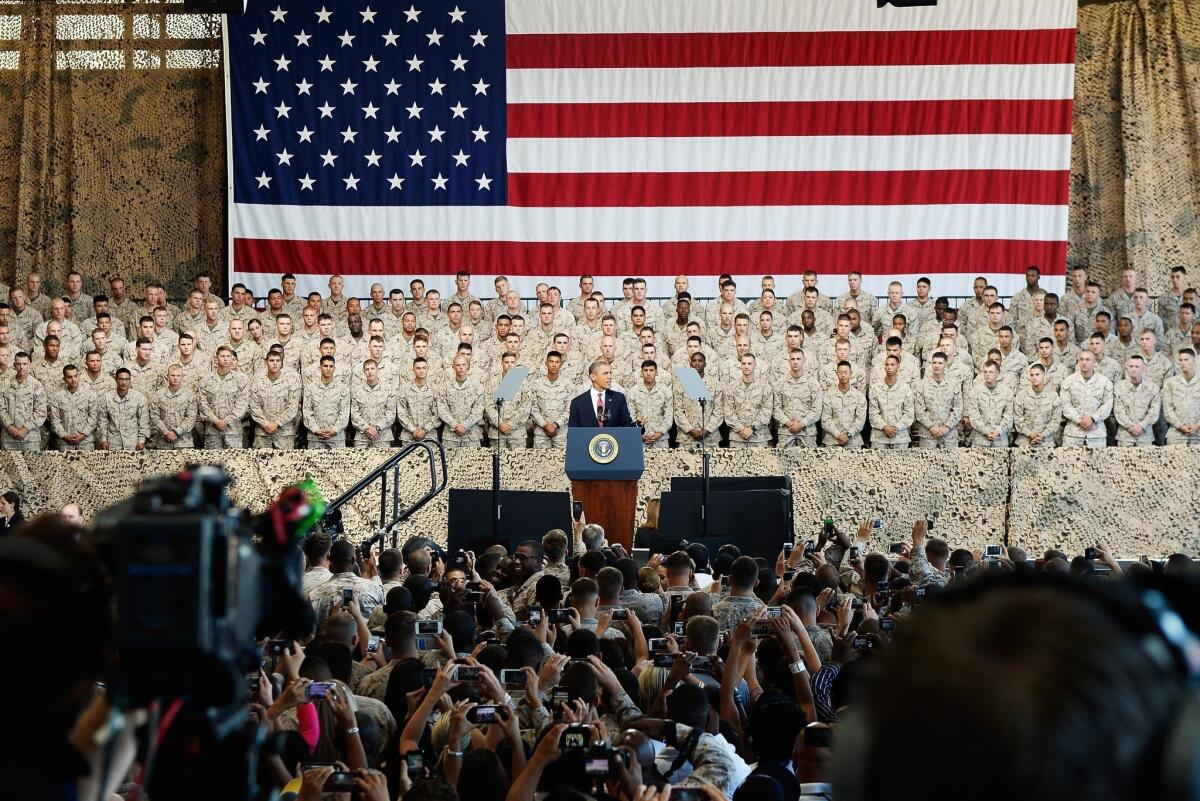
(789, 49)
(906, 187)
(833, 118)
(647, 258)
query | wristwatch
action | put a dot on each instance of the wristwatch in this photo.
(798, 667)
(352, 730)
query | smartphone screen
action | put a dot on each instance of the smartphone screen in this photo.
(513, 678)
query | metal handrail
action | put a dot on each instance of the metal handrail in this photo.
(438, 479)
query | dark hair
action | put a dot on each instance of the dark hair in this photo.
(629, 572)
(699, 554)
(390, 563)
(610, 580)
(1078, 684)
(341, 556)
(743, 573)
(482, 776)
(523, 649)
(336, 655)
(592, 561)
(433, 788)
(460, 625)
(773, 722)
(689, 705)
(398, 599)
(316, 545)
(876, 567)
(548, 591)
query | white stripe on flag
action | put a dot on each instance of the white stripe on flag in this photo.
(798, 84)
(720, 16)
(788, 153)
(704, 224)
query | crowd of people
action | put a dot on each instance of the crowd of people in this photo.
(566, 670)
(81, 372)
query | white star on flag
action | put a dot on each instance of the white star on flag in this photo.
(436, 134)
(417, 159)
(459, 111)
(436, 87)
(259, 37)
(393, 88)
(434, 38)
(460, 63)
(395, 182)
(412, 14)
(281, 63)
(303, 87)
(326, 110)
(439, 182)
(484, 182)
(480, 134)
(323, 15)
(281, 110)
(392, 134)
(260, 133)
(284, 157)
(347, 39)
(478, 38)
(389, 38)
(329, 158)
(302, 39)
(414, 111)
(260, 86)
(349, 134)
(278, 14)
(368, 15)
(348, 87)
(457, 14)
(414, 64)
(372, 159)
(481, 87)
(307, 183)
(461, 158)
(326, 64)
(371, 63)
(305, 134)
(352, 182)
(370, 110)
(264, 181)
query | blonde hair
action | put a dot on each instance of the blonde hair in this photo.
(651, 513)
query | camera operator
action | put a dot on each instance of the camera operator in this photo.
(55, 709)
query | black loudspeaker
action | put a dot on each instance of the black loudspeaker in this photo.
(781, 485)
(757, 521)
(523, 516)
(215, 6)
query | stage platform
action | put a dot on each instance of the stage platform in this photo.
(1132, 499)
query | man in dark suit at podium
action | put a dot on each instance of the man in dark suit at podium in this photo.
(600, 406)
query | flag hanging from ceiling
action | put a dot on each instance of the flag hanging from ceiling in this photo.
(549, 138)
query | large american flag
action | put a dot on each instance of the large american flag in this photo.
(382, 139)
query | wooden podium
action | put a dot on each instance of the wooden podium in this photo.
(610, 504)
(604, 465)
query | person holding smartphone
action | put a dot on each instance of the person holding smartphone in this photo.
(330, 595)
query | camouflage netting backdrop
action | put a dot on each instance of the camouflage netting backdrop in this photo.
(112, 137)
(112, 156)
